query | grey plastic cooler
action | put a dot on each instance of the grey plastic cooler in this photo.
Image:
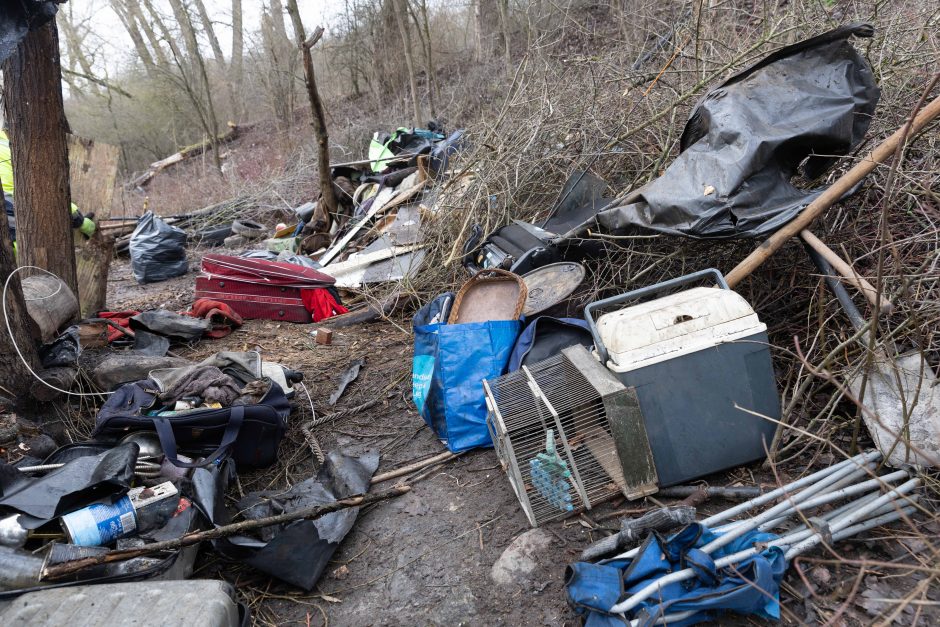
(698, 359)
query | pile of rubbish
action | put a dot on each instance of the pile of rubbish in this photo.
(640, 393)
(584, 400)
(131, 502)
(373, 235)
(137, 500)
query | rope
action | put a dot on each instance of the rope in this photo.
(307, 429)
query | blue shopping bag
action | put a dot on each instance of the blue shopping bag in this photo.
(450, 363)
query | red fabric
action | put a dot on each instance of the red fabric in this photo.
(224, 319)
(121, 318)
(321, 304)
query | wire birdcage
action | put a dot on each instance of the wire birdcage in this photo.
(552, 429)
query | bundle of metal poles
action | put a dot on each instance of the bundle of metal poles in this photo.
(845, 480)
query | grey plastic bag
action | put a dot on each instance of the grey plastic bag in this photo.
(158, 250)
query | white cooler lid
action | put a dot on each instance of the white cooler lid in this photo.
(675, 325)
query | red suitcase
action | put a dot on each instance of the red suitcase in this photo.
(256, 288)
(252, 301)
(265, 272)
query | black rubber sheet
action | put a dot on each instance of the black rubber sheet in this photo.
(81, 481)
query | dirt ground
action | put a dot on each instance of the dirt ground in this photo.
(425, 558)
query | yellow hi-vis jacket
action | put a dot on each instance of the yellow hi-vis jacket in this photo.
(6, 165)
(6, 179)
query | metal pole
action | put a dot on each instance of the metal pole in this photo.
(825, 479)
(859, 515)
(842, 535)
(774, 494)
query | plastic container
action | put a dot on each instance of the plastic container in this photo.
(103, 523)
(699, 360)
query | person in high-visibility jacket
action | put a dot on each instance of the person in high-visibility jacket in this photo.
(81, 222)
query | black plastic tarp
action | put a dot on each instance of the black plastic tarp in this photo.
(298, 552)
(790, 114)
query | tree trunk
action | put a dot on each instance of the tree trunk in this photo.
(401, 15)
(209, 30)
(428, 58)
(164, 32)
(211, 124)
(300, 33)
(277, 19)
(327, 195)
(159, 56)
(217, 54)
(386, 70)
(32, 99)
(238, 53)
(503, 6)
(486, 28)
(15, 380)
(136, 38)
(277, 81)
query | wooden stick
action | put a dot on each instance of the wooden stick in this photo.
(404, 470)
(847, 272)
(309, 513)
(832, 195)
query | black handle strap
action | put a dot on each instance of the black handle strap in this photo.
(168, 439)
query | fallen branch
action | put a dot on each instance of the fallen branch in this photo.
(189, 151)
(309, 513)
(368, 314)
(404, 470)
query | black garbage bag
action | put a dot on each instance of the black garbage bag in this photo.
(298, 552)
(158, 250)
(789, 114)
(81, 481)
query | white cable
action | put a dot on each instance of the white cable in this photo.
(58, 288)
(6, 318)
(313, 412)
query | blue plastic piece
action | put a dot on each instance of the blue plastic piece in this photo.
(551, 476)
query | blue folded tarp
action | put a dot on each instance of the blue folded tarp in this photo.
(751, 586)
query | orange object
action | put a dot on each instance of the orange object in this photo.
(325, 336)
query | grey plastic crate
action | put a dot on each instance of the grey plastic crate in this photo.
(196, 603)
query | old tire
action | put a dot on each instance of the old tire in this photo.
(214, 236)
(249, 229)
